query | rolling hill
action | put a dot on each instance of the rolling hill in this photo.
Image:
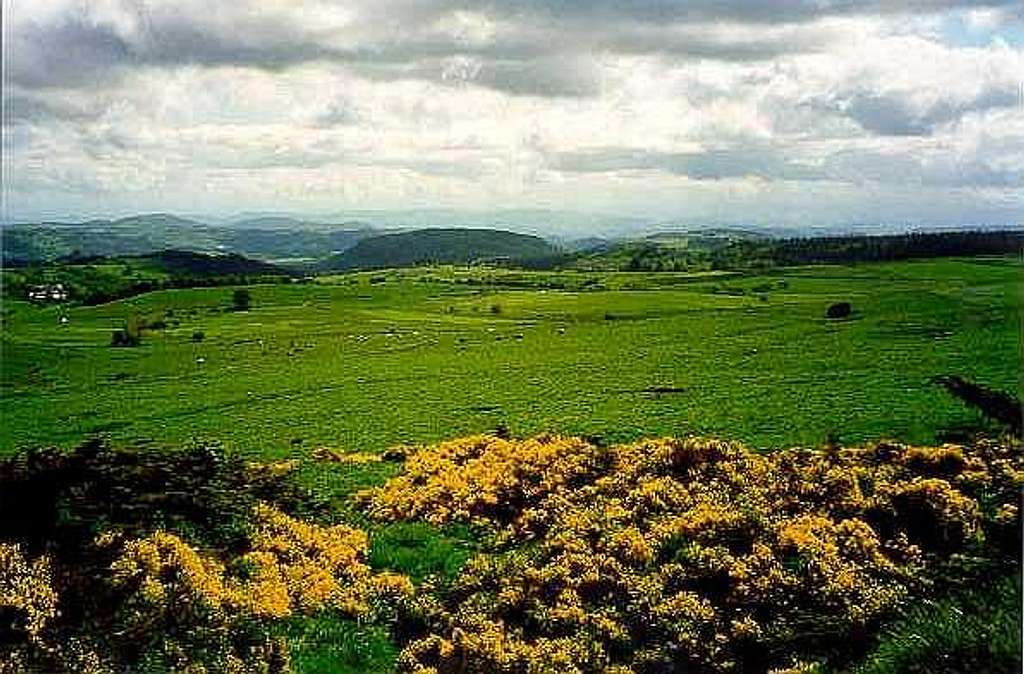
(188, 263)
(426, 246)
(271, 239)
(96, 280)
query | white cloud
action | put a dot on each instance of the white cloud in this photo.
(830, 112)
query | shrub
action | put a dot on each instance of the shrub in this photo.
(691, 555)
(124, 587)
(241, 299)
(130, 334)
(27, 599)
(198, 336)
(839, 310)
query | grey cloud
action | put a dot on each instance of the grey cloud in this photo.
(689, 40)
(774, 162)
(69, 53)
(81, 52)
(750, 11)
(890, 114)
(712, 164)
(395, 39)
(96, 53)
(21, 109)
(551, 77)
(339, 112)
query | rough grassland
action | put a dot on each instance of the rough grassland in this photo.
(367, 361)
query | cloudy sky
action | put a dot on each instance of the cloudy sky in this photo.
(771, 111)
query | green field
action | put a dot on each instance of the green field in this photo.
(365, 361)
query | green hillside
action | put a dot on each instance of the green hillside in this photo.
(99, 280)
(445, 246)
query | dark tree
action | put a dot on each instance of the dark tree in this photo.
(241, 300)
(839, 310)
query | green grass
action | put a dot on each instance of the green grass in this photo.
(328, 644)
(368, 361)
(976, 632)
(419, 550)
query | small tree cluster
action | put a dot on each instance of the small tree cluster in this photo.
(130, 334)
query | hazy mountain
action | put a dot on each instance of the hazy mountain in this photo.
(269, 238)
(153, 221)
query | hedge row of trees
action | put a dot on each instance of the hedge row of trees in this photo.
(888, 248)
(737, 253)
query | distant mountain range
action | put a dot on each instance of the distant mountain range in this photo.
(270, 239)
(330, 241)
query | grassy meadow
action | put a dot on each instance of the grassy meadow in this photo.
(366, 361)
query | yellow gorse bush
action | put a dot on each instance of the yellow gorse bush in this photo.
(291, 567)
(482, 478)
(26, 589)
(686, 555)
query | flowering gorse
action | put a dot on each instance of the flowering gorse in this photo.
(291, 567)
(174, 600)
(26, 591)
(687, 555)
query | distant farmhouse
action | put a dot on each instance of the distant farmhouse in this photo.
(50, 292)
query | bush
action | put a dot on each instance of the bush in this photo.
(241, 299)
(130, 334)
(692, 555)
(839, 310)
(198, 336)
(106, 575)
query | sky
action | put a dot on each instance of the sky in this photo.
(778, 112)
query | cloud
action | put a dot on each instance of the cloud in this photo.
(26, 109)
(711, 164)
(893, 115)
(338, 112)
(513, 46)
(494, 103)
(773, 161)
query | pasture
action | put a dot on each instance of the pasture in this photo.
(367, 361)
